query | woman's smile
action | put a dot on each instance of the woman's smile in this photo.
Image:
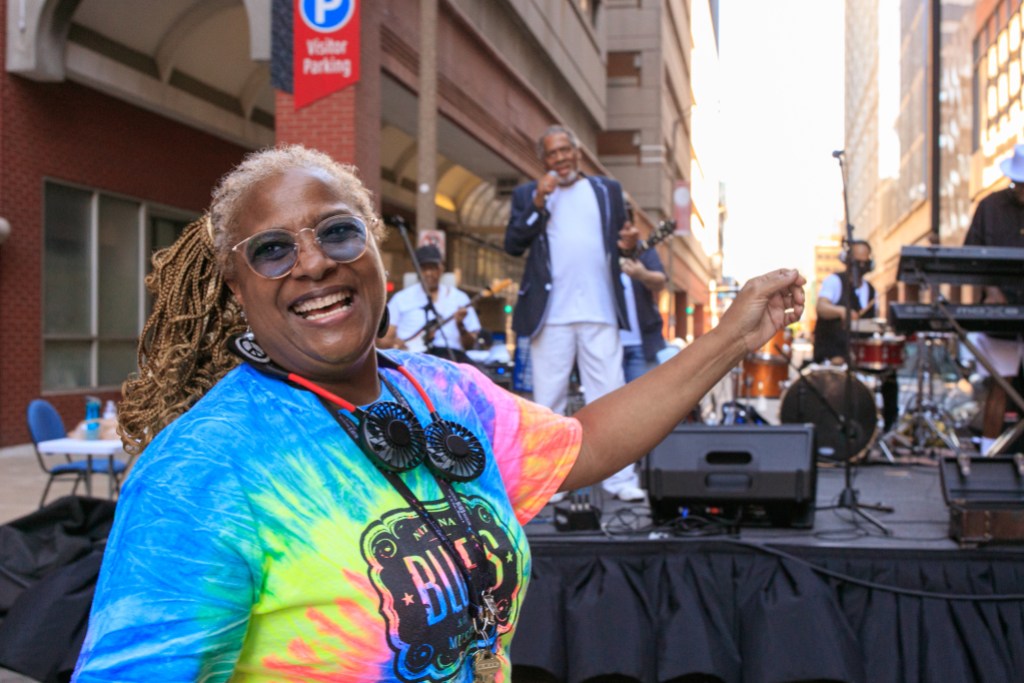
(320, 319)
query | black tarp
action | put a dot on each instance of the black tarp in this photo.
(49, 562)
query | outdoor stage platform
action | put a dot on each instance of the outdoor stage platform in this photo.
(838, 602)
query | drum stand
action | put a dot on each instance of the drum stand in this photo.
(735, 412)
(925, 419)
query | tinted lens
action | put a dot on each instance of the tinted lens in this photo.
(343, 238)
(272, 253)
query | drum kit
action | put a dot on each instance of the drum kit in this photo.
(817, 394)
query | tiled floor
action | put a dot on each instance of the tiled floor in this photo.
(22, 482)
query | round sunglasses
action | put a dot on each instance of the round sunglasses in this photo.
(273, 253)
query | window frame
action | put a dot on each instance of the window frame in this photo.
(146, 212)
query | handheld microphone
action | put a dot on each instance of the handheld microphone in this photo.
(838, 153)
(398, 222)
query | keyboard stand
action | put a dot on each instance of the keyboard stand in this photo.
(1010, 435)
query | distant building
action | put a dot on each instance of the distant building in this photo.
(826, 262)
(887, 122)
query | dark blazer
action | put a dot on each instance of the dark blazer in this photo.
(526, 231)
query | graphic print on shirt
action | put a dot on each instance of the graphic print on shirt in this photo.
(423, 597)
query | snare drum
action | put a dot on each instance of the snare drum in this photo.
(801, 403)
(878, 352)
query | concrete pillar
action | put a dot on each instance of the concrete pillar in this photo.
(426, 142)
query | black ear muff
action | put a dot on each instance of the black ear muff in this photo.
(391, 436)
(385, 323)
(845, 260)
(248, 349)
(453, 452)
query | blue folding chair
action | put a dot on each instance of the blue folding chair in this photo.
(44, 424)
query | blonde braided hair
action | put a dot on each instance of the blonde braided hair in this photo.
(182, 351)
(183, 348)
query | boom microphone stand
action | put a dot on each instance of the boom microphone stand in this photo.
(848, 497)
(403, 228)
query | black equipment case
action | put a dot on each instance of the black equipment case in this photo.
(985, 498)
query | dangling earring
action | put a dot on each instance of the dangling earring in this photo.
(385, 323)
(247, 347)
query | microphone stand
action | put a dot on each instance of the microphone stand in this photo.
(403, 228)
(848, 497)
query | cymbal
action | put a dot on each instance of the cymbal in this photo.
(868, 325)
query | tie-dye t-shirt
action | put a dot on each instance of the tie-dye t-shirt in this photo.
(255, 542)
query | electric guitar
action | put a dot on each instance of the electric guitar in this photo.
(419, 340)
(661, 233)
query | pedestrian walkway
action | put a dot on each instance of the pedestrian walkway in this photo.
(22, 483)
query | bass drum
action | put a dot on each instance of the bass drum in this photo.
(803, 402)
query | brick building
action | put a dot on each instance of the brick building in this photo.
(117, 117)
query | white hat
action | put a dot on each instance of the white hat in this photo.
(1013, 168)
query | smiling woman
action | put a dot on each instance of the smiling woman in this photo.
(320, 510)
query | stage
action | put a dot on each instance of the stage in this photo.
(841, 601)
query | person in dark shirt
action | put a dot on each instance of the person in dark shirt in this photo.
(999, 222)
(835, 303)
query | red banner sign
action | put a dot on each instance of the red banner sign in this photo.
(325, 48)
(681, 207)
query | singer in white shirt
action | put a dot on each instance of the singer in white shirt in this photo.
(571, 303)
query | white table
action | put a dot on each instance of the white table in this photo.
(90, 448)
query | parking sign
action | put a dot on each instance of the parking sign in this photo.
(325, 48)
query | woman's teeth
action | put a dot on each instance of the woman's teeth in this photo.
(322, 306)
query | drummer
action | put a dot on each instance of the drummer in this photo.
(835, 304)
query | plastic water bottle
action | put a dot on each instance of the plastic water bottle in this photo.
(110, 411)
(92, 418)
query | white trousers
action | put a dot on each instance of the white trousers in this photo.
(597, 352)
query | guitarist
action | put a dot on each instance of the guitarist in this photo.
(409, 312)
(642, 278)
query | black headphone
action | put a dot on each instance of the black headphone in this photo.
(387, 432)
(844, 259)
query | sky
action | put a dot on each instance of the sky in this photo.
(782, 108)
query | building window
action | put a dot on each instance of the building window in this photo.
(589, 9)
(619, 143)
(96, 254)
(624, 68)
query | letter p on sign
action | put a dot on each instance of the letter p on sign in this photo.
(322, 7)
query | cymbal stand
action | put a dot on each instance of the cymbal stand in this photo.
(925, 415)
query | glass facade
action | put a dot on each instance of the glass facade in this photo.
(997, 95)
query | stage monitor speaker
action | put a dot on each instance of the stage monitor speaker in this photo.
(759, 475)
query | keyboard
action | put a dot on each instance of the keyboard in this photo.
(906, 318)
